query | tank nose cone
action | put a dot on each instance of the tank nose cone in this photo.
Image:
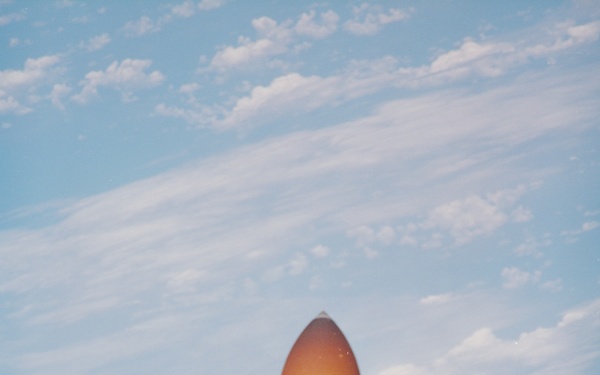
(321, 349)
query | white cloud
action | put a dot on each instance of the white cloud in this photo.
(281, 96)
(210, 4)
(9, 104)
(386, 235)
(320, 251)
(437, 299)
(585, 227)
(566, 35)
(307, 26)
(141, 27)
(126, 76)
(531, 246)
(34, 71)
(473, 56)
(298, 264)
(273, 39)
(364, 235)
(521, 214)
(585, 33)
(555, 285)
(185, 9)
(189, 88)
(473, 216)
(112, 257)
(514, 277)
(370, 19)
(16, 84)
(569, 347)
(589, 225)
(96, 43)
(200, 115)
(5, 19)
(296, 93)
(58, 92)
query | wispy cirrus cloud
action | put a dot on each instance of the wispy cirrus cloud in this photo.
(208, 235)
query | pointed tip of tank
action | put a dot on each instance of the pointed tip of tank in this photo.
(323, 315)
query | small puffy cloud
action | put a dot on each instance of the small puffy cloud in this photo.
(407, 234)
(436, 299)
(96, 43)
(10, 18)
(363, 235)
(34, 71)
(531, 246)
(514, 277)
(8, 104)
(185, 9)
(14, 82)
(473, 216)
(210, 4)
(370, 19)
(467, 218)
(199, 115)
(521, 215)
(553, 285)
(140, 27)
(370, 253)
(320, 251)
(298, 264)
(274, 40)
(585, 227)
(589, 225)
(306, 25)
(58, 92)
(386, 235)
(247, 51)
(126, 76)
(189, 88)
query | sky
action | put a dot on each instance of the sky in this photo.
(185, 185)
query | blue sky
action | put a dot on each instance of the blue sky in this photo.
(185, 185)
